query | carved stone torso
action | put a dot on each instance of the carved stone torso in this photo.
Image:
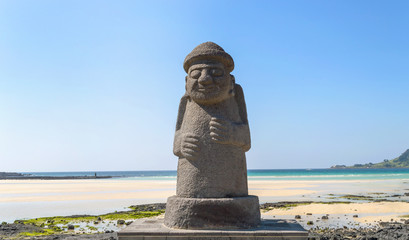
(220, 169)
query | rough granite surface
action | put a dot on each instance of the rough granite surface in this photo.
(215, 213)
(211, 138)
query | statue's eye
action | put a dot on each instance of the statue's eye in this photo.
(217, 72)
(195, 73)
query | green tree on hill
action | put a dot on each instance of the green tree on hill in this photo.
(400, 162)
(404, 157)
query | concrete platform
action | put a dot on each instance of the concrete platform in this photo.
(154, 229)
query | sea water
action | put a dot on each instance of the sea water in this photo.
(257, 174)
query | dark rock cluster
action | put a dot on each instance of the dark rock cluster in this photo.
(386, 231)
(8, 230)
(268, 206)
(12, 231)
(149, 207)
(5, 175)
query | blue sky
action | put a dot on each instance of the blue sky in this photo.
(95, 85)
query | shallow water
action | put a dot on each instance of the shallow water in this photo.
(258, 174)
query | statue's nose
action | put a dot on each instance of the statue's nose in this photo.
(205, 78)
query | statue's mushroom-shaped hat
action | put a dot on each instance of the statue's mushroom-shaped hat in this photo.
(209, 51)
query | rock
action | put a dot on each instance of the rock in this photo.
(149, 207)
(324, 217)
(310, 223)
(214, 213)
(270, 206)
(309, 213)
(211, 138)
(212, 128)
(99, 219)
(70, 227)
(297, 217)
(120, 222)
(13, 229)
(129, 222)
(355, 216)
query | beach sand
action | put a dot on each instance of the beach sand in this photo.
(340, 215)
(73, 190)
(37, 198)
(351, 208)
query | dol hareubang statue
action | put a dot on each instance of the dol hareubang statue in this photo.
(212, 136)
(212, 133)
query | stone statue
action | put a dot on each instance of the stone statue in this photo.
(211, 139)
(212, 136)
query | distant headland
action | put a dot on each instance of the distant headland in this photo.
(14, 175)
(400, 162)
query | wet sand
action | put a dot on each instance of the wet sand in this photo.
(36, 198)
(352, 215)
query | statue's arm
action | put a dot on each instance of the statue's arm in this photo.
(178, 138)
(241, 136)
(237, 133)
(242, 130)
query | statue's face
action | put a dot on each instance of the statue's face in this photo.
(208, 82)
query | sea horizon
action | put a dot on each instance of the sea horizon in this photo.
(253, 174)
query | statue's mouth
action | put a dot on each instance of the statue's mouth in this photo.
(207, 89)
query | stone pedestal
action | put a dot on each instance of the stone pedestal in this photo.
(154, 229)
(212, 213)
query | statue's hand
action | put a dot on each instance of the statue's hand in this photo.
(226, 132)
(190, 146)
(220, 130)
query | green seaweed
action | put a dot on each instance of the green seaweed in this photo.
(130, 215)
(288, 206)
(337, 202)
(92, 228)
(52, 221)
(357, 197)
(43, 232)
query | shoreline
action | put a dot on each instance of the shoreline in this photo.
(373, 201)
(323, 220)
(33, 197)
(273, 174)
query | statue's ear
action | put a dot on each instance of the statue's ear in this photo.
(233, 83)
(233, 79)
(241, 103)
